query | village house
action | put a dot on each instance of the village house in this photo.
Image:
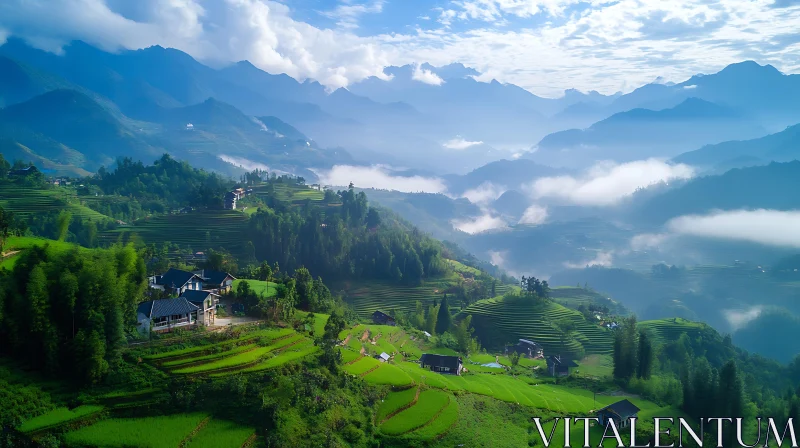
(176, 281)
(383, 357)
(206, 302)
(559, 365)
(164, 315)
(526, 348)
(621, 412)
(441, 363)
(381, 318)
(230, 200)
(27, 171)
(216, 280)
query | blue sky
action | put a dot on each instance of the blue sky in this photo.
(545, 46)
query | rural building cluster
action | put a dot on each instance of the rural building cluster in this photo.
(196, 297)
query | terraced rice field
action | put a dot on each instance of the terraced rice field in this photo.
(371, 296)
(197, 230)
(59, 416)
(395, 402)
(150, 432)
(252, 352)
(426, 409)
(666, 330)
(221, 433)
(498, 322)
(26, 201)
(294, 194)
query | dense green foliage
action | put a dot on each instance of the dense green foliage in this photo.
(66, 312)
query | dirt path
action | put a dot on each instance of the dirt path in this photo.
(194, 432)
(9, 253)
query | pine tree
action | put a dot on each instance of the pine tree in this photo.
(443, 319)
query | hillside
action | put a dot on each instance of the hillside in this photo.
(779, 147)
(502, 321)
(757, 187)
(641, 133)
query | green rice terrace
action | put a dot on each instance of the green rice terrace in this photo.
(198, 229)
(424, 405)
(28, 201)
(666, 330)
(498, 322)
(367, 297)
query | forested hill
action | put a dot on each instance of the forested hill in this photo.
(178, 209)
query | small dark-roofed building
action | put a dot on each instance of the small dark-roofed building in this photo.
(230, 200)
(381, 318)
(526, 348)
(177, 281)
(206, 301)
(621, 412)
(166, 314)
(441, 363)
(559, 365)
(216, 279)
(27, 171)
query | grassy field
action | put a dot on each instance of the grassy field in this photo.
(425, 410)
(20, 243)
(149, 432)
(396, 401)
(498, 322)
(58, 416)
(269, 289)
(198, 230)
(220, 434)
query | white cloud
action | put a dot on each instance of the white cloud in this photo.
(380, 177)
(214, 31)
(348, 13)
(480, 224)
(426, 76)
(460, 143)
(241, 162)
(484, 193)
(534, 215)
(648, 241)
(740, 318)
(768, 227)
(608, 183)
(693, 86)
(602, 259)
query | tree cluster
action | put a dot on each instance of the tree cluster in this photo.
(67, 312)
(633, 351)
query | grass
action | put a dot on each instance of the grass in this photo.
(601, 366)
(221, 434)
(443, 422)
(428, 405)
(268, 289)
(240, 359)
(273, 333)
(395, 401)
(58, 416)
(389, 375)
(281, 359)
(150, 432)
(211, 357)
(484, 423)
(21, 243)
(363, 365)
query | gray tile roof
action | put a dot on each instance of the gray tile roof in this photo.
(213, 277)
(175, 278)
(196, 297)
(166, 307)
(622, 408)
(429, 359)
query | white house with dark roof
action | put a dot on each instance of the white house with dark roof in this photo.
(166, 314)
(206, 302)
(177, 281)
